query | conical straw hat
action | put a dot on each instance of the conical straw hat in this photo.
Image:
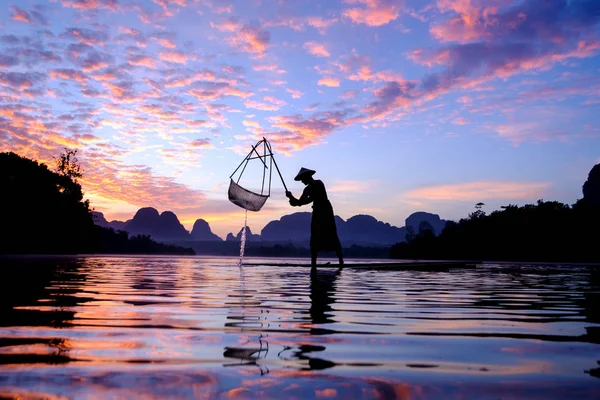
(304, 172)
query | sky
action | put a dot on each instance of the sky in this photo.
(399, 105)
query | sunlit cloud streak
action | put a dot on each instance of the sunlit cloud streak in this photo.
(471, 191)
(373, 12)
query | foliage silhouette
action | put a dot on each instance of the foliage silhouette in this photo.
(45, 213)
(546, 231)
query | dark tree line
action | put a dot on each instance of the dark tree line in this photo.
(546, 231)
(43, 212)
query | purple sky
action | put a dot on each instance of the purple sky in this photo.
(400, 106)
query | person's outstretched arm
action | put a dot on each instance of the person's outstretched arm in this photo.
(304, 199)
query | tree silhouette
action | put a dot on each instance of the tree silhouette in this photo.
(591, 187)
(68, 165)
(44, 212)
(545, 231)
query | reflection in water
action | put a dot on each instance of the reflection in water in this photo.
(321, 295)
(189, 327)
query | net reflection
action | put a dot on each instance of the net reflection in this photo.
(252, 348)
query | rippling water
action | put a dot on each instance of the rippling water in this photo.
(177, 327)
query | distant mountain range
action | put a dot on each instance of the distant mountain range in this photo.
(363, 230)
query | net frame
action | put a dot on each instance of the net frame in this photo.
(248, 199)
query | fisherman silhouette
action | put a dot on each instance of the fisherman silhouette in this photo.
(323, 232)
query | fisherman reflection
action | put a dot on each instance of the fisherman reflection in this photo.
(321, 298)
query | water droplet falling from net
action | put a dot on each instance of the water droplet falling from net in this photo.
(243, 239)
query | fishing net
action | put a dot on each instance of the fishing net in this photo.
(245, 198)
(248, 199)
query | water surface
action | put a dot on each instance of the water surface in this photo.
(194, 327)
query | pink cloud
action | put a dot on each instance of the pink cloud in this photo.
(200, 143)
(321, 24)
(20, 80)
(257, 105)
(349, 94)
(86, 36)
(140, 60)
(251, 123)
(297, 132)
(204, 75)
(230, 24)
(329, 82)
(216, 90)
(365, 73)
(68, 74)
(251, 39)
(96, 60)
(18, 14)
(375, 12)
(476, 191)
(7, 61)
(166, 3)
(511, 49)
(247, 38)
(175, 56)
(164, 39)
(298, 23)
(112, 5)
(29, 17)
(316, 49)
(269, 67)
(296, 94)
(274, 100)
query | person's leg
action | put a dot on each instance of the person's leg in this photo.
(313, 258)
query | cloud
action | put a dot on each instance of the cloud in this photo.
(269, 67)
(166, 3)
(374, 12)
(296, 94)
(299, 23)
(349, 94)
(257, 105)
(86, 36)
(247, 38)
(316, 49)
(216, 90)
(20, 80)
(329, 82)
(140, 60)
(7, 61)
(503, 49)
(96, 60)
(68, 74)
(350, 186)
(200, 143)
(112, 5)
(274, 100)
(321, 24)
(29, 17)
(296, 131)
(175, 56)
(364, 73)
(478, 191)
(164, 39)
(251, 123)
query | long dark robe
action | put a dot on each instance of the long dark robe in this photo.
(323, 232)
